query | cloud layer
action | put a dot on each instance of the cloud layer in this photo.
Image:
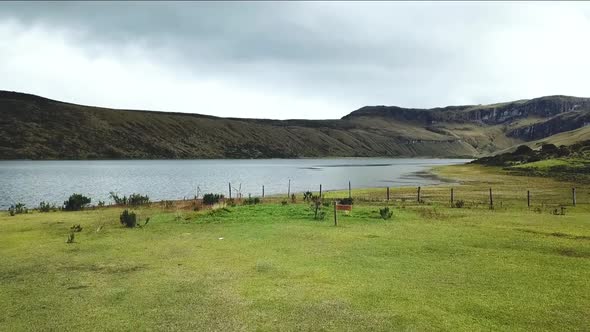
(293, 59)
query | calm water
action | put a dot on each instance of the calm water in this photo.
(31, 182)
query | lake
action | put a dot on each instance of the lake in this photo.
(31, 182)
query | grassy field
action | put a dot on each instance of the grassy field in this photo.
(273, 267)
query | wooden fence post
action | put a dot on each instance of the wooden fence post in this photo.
(262, 191)
(452, 198)
(574, 196)
(349, 190)
(320, 190)
(335, 215)
(229, 186)
(528, 198)
(388, 194)
(491, 200)
(419, 194)
(289, 189)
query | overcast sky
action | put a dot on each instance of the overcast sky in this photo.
(293, 59)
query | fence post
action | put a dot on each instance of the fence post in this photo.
(528, 198)
(289, 189)
(388, 194)
(491, 200)
(229, 186)
(419, 194)
(262, 191)
(320, 190)
(452, 198)
(574, 196)
(349, 190)
(335, 215)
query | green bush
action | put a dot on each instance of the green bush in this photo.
(385, 213)
(132, 200)
(346, 201)
(46, 207)
(128, 219)
(137, 200)
(307, 196)
(459, 204)
(76, 228)
(18, 208)
(251, 201)
(211, 199)
(284, 202)
(76, 202)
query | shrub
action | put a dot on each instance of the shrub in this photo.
(230, 202)
(168, 204)
(385, 213)
(293, 198)
(76, 202)
(211, 199)
(132, 200)
(346, 201)
(17, 208)
(117, 199)
(70, 238)
(46, 207)
(137, 199)
(284, 202)
(319, 214)
(128, 219)
(307, 196)
(251, 201)
(101, 203)
(76, 228)
(522, 150)
(459, 204)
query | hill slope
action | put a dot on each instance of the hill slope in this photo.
(32, 127)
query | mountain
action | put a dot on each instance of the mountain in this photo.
(33, 127)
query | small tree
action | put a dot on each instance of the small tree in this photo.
(76, 202)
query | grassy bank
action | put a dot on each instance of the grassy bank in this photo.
(273, 267)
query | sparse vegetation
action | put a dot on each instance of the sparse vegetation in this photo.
(18, 208)
(46, 207)
(459, 204)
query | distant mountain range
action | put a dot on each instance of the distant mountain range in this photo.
(33, 127)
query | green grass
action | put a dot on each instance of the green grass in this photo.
(272, 267)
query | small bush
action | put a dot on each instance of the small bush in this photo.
(168, 204)
(307, 196)
(46, 207)
(385, 213)
(293, 198)
(118, 199)
(128, 219)
(346, 201)
(70, 238)
(326, 203)
(284, 202)
(459, 204)
(18, 208)
(76, 228)
(251, 201)
(230, 202)
(137, 200)
(211, 199)
(76, 202)
(101, 204)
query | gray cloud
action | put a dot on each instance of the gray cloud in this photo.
(307, 59)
